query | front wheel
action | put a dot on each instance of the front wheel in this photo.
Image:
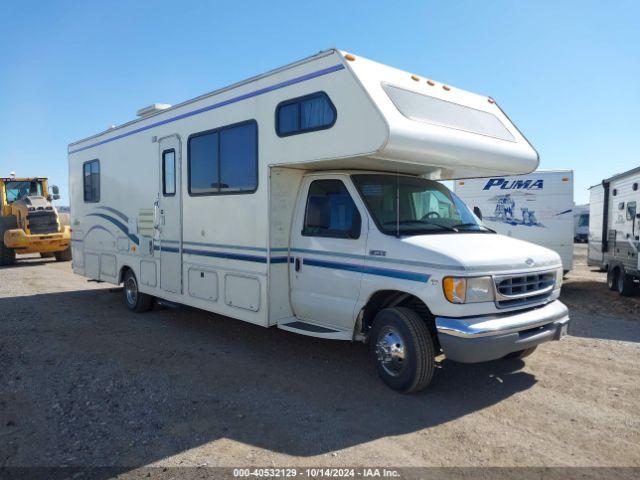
(64, 255)
(7, 255)
(402, 349)
(134, 299)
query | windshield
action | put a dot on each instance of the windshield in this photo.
(20, 189)
(584, 220)
(402, 205)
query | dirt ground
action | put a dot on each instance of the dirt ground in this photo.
(85, 382)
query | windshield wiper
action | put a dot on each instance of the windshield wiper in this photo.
(471, 224)
(419, 222)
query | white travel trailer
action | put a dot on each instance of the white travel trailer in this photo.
(303, 199)
(614, 230)
(536, 207)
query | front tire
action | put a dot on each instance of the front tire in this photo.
(7, 255)
(64, 255)
(402, 349)
(625, 285)
(134, 299)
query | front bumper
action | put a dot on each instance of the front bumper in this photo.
(50, 242)
(488, 337)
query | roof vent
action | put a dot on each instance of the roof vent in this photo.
(151, 109)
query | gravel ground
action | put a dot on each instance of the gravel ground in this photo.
(85, 382)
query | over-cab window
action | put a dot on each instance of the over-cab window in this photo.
(305, 114)
(331, 212)
(169, 173)
(91, 181)
(224, 160)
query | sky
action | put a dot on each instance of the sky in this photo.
(566, 72)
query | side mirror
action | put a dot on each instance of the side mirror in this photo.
(56, 196)
(477, 212)
(55, 190)
(637, 215)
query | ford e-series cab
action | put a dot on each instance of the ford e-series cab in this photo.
(307, 199)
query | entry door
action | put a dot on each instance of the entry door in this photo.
(169, 214)
(328, 248)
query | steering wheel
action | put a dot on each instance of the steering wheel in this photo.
(430, 215)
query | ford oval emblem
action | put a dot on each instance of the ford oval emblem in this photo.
(529, 261)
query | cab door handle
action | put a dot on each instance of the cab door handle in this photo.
(297, 264)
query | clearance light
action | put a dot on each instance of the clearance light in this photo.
(446, 87)
(349, 57)
(460, 183)
(415, 77)
(491, 100)
(431, 82)
(565, 179)
(468, 290)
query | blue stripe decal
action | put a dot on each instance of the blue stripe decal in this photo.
(562, 213)
(118, 224)
(118, 213)
(275, 260)
(239, 98)
(229, 256)
(157, 248)
(384, 272)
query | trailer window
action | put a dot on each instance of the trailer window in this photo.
(631, 210)
(224, 160)
(424, 108)
(305, 114)
(91, 174)
(169, 173)
(331, 211)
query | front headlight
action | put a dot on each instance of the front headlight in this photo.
(468, 289)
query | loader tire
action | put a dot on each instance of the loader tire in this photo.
(7, 255)
(64, 255)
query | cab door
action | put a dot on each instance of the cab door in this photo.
(169, 214)
(328, 247)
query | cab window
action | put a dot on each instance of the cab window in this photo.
(330, 211)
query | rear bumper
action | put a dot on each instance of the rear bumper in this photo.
(50, 242)
(479, 339)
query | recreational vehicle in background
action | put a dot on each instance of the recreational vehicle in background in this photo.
(536, 207)
(306, 199)
(581, 223)
(614, 230)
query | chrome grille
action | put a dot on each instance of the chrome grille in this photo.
(517, 290)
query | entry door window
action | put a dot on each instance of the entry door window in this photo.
(169, 173)
(331, 211)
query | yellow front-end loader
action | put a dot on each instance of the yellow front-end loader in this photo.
(29, 223)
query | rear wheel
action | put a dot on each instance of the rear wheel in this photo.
(625, 285)
(7, 255)
(520, 353)
(135, 300)
(64, 255)
(402, 349)
(612, 278)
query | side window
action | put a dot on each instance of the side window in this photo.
(331, 211)
(224, 160)
(631, 210)
(91, 181)
(169, 173)
(305, 114)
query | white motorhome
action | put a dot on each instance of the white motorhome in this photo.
(304, 199)
(614, 230)
(581, 223)
(536, 207)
